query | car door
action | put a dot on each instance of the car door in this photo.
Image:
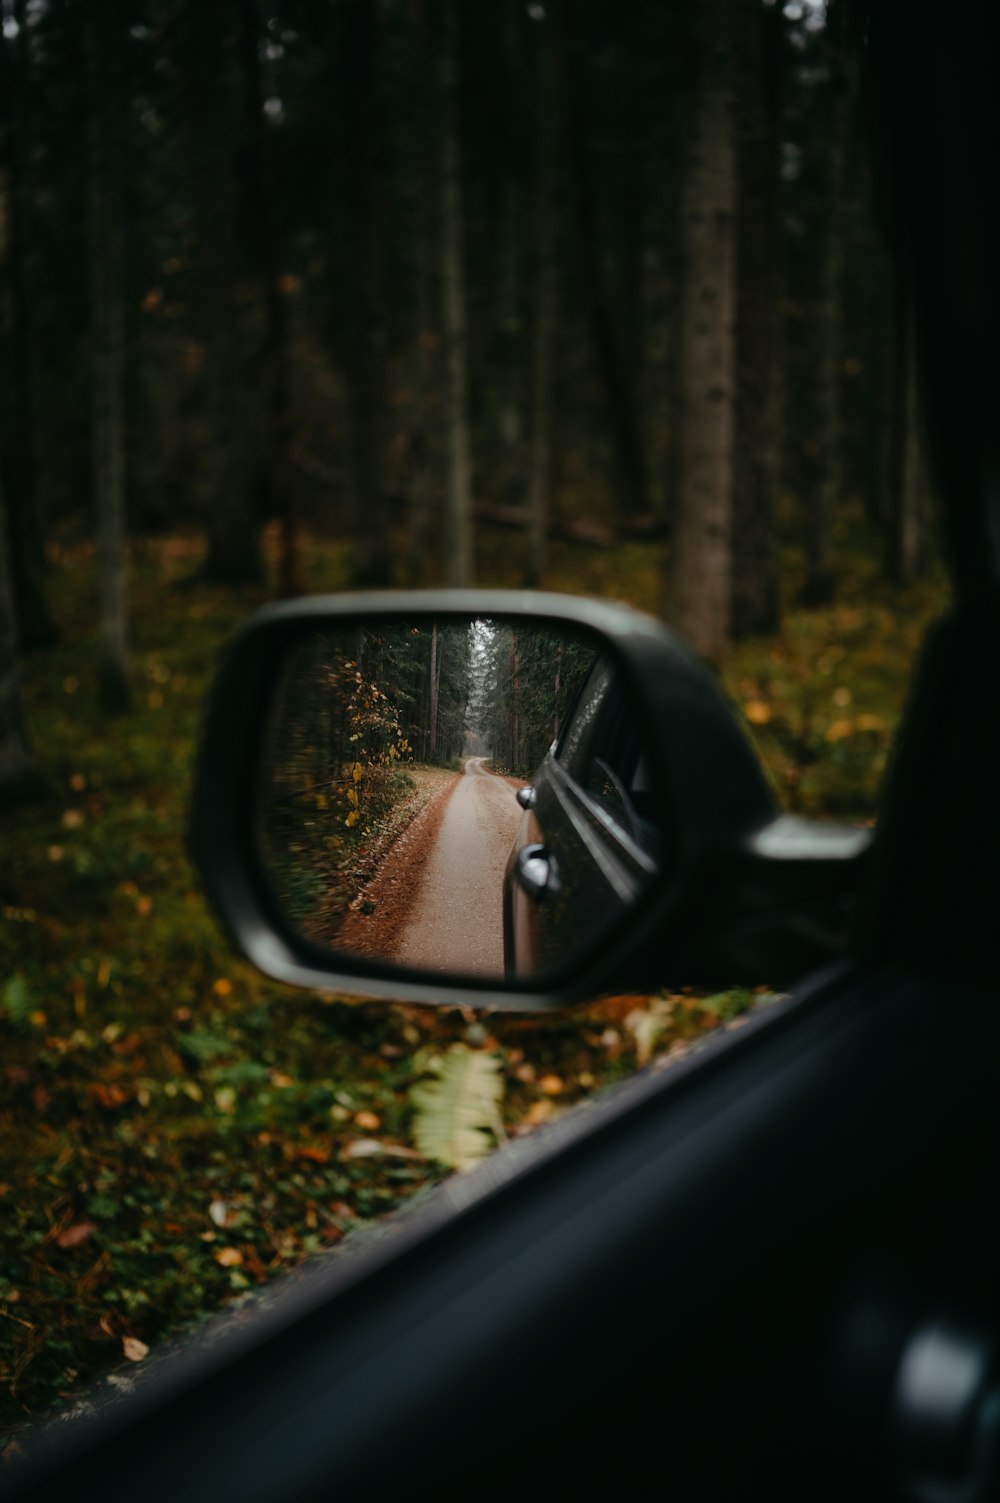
(583, 854)
(769, 1272)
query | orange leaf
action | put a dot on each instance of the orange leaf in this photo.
(108, 1096)
(75, 1235)
(315, 1155)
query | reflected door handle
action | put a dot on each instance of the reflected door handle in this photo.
(537, 873)
(526, 797)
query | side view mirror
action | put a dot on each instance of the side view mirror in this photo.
(521, 800)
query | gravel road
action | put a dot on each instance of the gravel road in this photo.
(456, 922)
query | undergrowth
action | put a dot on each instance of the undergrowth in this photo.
(176, 1130)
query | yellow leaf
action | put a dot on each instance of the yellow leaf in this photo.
(757, 712)
(358, 773)
(840, 730)
(321, 801)
(870, 723)
(368, 1121)
(222, 987)
(552, 1085)
(228, 1257)
(352, 797)
(352, 818)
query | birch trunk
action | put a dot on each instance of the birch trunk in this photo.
(433, 694)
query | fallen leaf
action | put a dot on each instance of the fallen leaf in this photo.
(229, 1257)
(109, 1096)
(757, 712)
(134, 1349)
(361, 1148)
(217, 1212)
(552, 1085)
(368, 1121)
(315, 1154)
(76, 1235)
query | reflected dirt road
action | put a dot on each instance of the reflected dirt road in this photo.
(456, 921)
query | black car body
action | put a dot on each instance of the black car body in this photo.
(585, 851)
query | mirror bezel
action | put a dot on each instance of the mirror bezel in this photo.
(713, 805)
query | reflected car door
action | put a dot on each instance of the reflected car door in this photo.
(584, 851)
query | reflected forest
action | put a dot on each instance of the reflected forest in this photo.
(367, 733)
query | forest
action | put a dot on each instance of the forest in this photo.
(408, 274)
(316, 295)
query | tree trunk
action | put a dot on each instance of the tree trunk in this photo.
(366, 376)
(425, 216)
(107, 348)
(232, 512)
(15, 755)
(906, 488)
(612, 368)
(25, 526)
(755, 603)
(540, 475)
(458, 524)
(261, 172)
(697, 594)
(819, 584)
(510, 343)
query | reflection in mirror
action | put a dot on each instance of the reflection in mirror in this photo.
(465, 796)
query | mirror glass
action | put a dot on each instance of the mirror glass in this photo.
(464, 796)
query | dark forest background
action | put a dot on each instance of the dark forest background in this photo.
(407, 272)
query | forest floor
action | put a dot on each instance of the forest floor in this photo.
(175, 1129)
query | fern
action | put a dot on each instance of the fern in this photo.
(457, 1110)
(16, 1001)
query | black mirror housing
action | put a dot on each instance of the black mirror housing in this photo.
(745, 894)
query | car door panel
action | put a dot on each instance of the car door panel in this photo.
(620, 1283)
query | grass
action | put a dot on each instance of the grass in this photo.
(175, 1129)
